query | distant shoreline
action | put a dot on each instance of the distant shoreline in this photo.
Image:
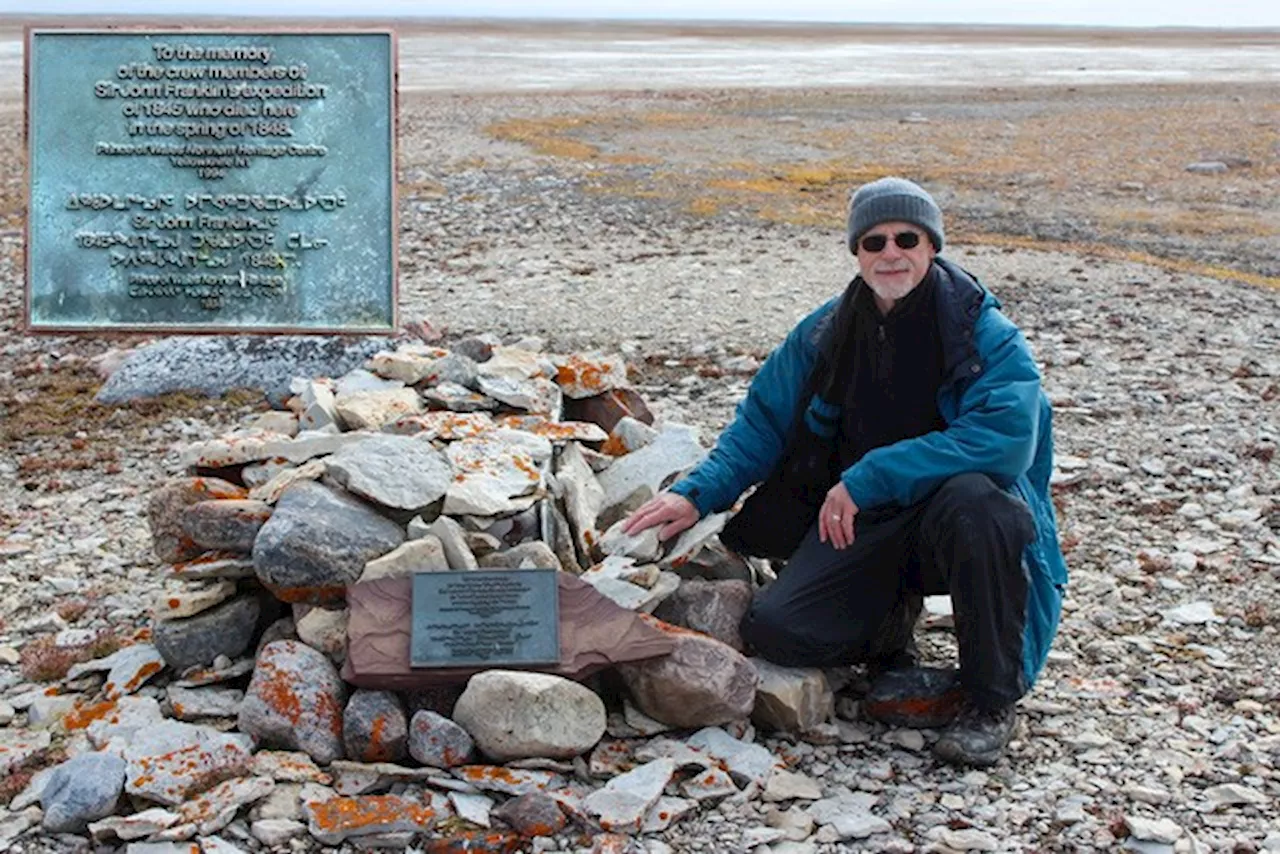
(833, 31)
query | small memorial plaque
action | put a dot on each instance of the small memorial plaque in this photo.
(210, 180)
(485, 618)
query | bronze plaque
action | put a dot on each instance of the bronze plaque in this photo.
(485, 618)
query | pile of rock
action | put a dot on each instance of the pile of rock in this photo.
(233, 724)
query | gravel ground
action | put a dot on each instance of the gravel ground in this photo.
(1159, 701)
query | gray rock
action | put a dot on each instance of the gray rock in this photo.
(370, 410)
(791, 699)
(425, 554)
(583, 497)
(190, 704)
(228, 525)
(438, 742)
(714, 608)
(514, 714)
(850, 815)
(82, 790)
(214, 365)
(1153, 830)
(745, 761)
(458, 398)
(532, 815)
(375, 727)
(624, 801)
(532, 555)
(223, 630)
(295, 701)
(671, 451)
(317, 542)
(400, 472)
(490, 475)
(703, 682)
(319, 410)
(1207, 167)
(454, 368)
(358, 381)
(453, 539)
(786, 785)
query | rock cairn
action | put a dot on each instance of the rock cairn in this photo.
(254, 714)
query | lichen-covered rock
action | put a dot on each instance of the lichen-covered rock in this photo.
(703, 682)
(336, 820)
(514, 715)
(225, 525)
(374, 727)
(317, 542)
(170, 762)
(400, 472)
(438, 742)
(295, 701)
(167, 505)
(531, 815)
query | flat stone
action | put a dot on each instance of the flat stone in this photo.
(691, 540)
(369, 410)
(360, 778)
(1192, 613)
(318, 409)
(178, 600)
(517, 714)
(335, 821)
(82, 790)
(139, 825)
(488, 474)
(1234, 794)
(623, 803)
(228, 451)
(222, 670)
(189, 704)
(226, 524)
(437, 741)
(275, 486)
(609, 408)
(214, 565)
(425, 554)
(400, 472)
(665, 812)
(507, 781)
(786, 785)
(850, 815)
(556, 431)
(214, 809)
(516, 363)
(295, 701)
(674, 449)
(165, 508)
(449, 426)
(644, 547)
(225, 629)
(629, 434)
(129, 669)
(587, 375)
(375, 727)
(709, 784)
(170, 762)
(1207, 167)
(791, 699)
(472, 808)
(583, 497)
(279, 831)
(537, 395)
(123, 721)
(287, 767)
(531, 555)
(747, 762)
(317, 542)
(703, 682)
(1152, 830)
(458, 398)
(405, 366)
(309, 444)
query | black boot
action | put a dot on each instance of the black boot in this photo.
(977, 736)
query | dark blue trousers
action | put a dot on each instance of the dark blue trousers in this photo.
(833, 607)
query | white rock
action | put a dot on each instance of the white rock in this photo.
(1232, 794)
(624, 801)
(400, 472)
(1153, 830)
(515, 714)
(1192, 613)
(489, 476)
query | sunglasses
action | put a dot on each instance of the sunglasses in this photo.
(903, 240)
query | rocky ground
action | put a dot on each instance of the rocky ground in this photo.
(688, 231)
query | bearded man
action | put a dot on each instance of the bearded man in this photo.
(902, 446)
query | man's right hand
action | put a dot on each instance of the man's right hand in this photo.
(673, 512)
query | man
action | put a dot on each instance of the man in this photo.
(901, 437)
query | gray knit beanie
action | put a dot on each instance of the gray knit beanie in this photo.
(893, 200)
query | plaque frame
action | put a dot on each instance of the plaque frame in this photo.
(543, 592)
(387, 325)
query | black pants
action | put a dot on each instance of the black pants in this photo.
(833, 607)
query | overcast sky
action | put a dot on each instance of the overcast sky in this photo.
(1155, 13)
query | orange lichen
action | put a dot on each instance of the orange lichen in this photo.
(346, 814)
(84, 714)
(474, 842)
(614, 447)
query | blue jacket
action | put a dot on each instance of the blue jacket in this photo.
(998, 420)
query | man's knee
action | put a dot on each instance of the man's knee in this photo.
(973, 499)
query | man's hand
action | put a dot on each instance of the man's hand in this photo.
(673, 512)
(835, 520)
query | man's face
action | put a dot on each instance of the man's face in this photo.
(894, 271)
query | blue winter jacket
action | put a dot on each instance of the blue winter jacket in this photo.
(998, 421)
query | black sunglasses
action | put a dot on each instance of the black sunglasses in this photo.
(903, 240)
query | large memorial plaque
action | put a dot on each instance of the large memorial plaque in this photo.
(211, 180)
(485, 618)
